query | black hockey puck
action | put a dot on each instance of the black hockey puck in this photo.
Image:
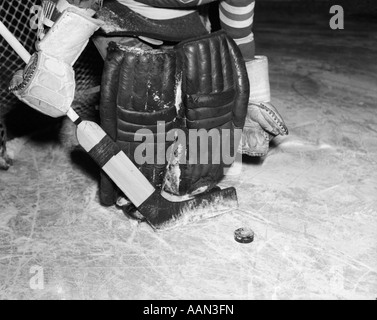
(244, 235)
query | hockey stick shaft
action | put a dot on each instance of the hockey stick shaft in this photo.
(14, 43)
(99, 145)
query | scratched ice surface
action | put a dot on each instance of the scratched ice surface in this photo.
(311, 202)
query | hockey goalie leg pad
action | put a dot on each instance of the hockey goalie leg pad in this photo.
(215, 91)
(138, 107)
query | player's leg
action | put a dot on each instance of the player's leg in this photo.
(237, 17)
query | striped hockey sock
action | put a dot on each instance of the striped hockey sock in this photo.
(237, 17)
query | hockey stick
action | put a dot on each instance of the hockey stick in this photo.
(14, 43)
(159, 212)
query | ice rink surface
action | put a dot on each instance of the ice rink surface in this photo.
(312, 201)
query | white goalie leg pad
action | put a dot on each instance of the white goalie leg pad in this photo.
(69, 36)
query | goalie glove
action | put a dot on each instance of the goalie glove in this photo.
(69, 36)
(48, 80)
(46, 85)
(263, 121)
(51, 10)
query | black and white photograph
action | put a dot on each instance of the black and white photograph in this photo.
(188, 154)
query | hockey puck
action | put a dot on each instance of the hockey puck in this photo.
(244, 235)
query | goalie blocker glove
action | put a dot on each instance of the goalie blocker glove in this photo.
(48, 80)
